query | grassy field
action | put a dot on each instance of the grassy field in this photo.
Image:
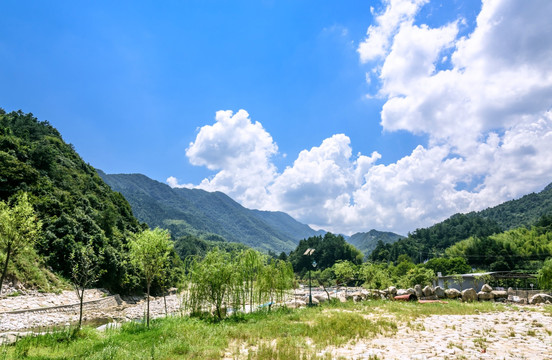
(280, 334)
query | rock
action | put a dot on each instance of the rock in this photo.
(419, 293)
(392, 290)
(486, 288)
(439, 292)
(315, 301)
(511, 291)
(401, 292)
(428, 291)
(539, 299)
(294, 304)
(469, 295)
(342, 299)
(500, 294)
(320, 297)
(453, 293)
(359, 295)
(411, 291)
(485, 296)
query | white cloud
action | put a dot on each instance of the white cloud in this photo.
(487, 116)
(240, 151)
(396, 12)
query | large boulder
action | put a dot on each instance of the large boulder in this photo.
(439, 292)
(500, 294)
(401, 292)
(469, 295)
(486, 288)
(540, 299)
(428, 291)
(392, 291)
(411, 291)
(453, 293)
(485, 296)
(419, 292)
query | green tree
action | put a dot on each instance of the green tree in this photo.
(19, 228)
(375, 276)
(345, 271)
(545, 275)
(84, 273)
(150, 252)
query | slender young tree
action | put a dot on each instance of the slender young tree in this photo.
(150, 252)
(19, 228)
(84, 272)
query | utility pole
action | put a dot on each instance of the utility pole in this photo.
(309, 252)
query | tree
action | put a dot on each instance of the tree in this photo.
(19, 228)
(150, 252)
(545, 275)
(344, 271)
(211, 279)
(85, 272)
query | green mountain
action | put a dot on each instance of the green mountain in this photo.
(207, 214)
(73, 202)
(431, 242)
(367, 241)
(525, 211)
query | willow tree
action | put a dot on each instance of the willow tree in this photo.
(19, 229)
(150, 252)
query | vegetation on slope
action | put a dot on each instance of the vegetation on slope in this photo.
(430, 242)
(327, 251)
(73, 203)
(366, 242)
(203, 214)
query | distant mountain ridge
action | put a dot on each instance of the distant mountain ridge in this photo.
(197, 212)
(367, 241)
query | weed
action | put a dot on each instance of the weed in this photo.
(480, 342)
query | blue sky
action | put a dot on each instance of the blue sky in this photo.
(357, 115)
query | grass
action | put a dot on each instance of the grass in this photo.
(280, 334)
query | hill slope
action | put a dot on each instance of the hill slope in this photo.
(367, 241)
(524, 211)
(201, 213)
(73, 202)
(429, 242)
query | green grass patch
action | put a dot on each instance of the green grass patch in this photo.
(279, 334)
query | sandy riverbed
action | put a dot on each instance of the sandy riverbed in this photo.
(518, 333)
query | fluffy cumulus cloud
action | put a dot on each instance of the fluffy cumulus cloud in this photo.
(487, 114)
(240, 151)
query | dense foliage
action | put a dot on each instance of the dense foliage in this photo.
(328, 250)
(237, 280)
(73, 203)
(518, 249)
(431, 242)
(201, 214)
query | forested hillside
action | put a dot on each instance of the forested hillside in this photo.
(72, 201)
(431, 242)
(524, 211)
(367, 241)
(204, 214)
